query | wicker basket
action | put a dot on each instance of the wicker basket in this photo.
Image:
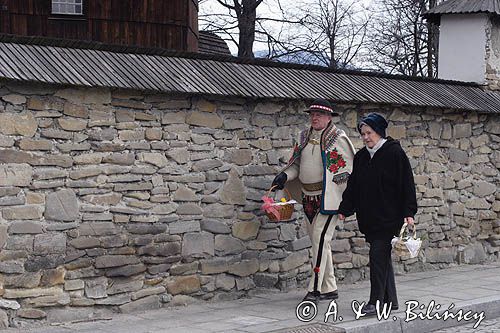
(285, 209)
(399, 243)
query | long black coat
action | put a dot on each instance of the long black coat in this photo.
(381, 191)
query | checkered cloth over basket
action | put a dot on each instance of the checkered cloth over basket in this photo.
(278, 211)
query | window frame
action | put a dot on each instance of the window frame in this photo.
(73, 3)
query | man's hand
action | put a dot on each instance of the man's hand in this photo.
(279, 181)
(409, 220)
(341, 217)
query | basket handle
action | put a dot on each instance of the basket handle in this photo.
(285, 190)
(405, 225)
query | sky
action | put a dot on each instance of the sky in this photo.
(268, 8)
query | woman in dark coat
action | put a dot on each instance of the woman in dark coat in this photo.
(381, 192)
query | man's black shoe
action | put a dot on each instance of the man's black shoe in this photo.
(369, 310)
(311, 296)
(329, 296)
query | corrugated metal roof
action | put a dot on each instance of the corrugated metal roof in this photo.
(464, 7)
(197, 74)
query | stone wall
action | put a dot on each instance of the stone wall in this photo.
(493, 54)
(114, 200)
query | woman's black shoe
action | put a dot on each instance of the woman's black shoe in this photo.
(369, 310)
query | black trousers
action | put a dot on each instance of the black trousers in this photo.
(383, 286)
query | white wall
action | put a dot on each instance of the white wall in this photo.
(462, 47)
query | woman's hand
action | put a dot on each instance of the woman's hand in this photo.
(409, 220)
(341, 217)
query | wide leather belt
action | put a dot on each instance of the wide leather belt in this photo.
(313, 187)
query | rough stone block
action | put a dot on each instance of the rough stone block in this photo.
(183, 193)
(29, 313)
(483, 188)
(157, 159)
(25, 227)
(75, 110)
(107, 261)
(72, 124)
(233, 191)
(245, 230)
(182, 227)
(147, 303)
(126, 271)
(184, 285)
(214, 266)
(26, 212)
(215, 227)
(226, 245)
(26, 280)
(440, 255)
(478, 203)
(164, 250)
(206, 165)
(18, 124)
(35, 263)
(120, 159)
(96, 288)
(340, 245)
(359, 260)
(203, 119)
(71, 285)
(462, 131)
(34, 292)
(244, 267)
(239, 156)
(118, 286)
(53, 277)
(46, 301)
(301, 243)
(50, 244)
(198, 244)
(225, 282)
(11, 267)
(4, 319)
(287, 232)
(98, 229)
(294, 260)
(183, 269)
(61, 206)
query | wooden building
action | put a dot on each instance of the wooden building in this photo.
(171, 24)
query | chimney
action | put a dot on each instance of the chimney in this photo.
(469, 41)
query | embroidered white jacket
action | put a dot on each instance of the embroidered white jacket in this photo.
(337, 154)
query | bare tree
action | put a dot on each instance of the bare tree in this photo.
(324, 32)
(237, 23)
(399, 38)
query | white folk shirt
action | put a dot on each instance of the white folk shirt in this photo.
(311, 167)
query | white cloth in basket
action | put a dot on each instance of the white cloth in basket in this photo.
(412, 243)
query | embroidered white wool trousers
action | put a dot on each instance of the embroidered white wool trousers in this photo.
(321, 232)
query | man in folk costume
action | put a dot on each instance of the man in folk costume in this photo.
(317, 175)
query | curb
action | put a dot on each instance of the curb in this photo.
(489, 305)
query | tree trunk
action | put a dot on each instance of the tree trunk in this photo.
(246, 25)
(432, 40)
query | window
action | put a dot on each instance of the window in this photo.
(68, 7)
